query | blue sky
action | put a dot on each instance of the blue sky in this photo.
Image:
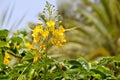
(30, 8)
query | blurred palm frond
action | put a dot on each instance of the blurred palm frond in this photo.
(98, 25)
(6, 17)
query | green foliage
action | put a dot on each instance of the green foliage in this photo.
(3, 33)
(47, 68)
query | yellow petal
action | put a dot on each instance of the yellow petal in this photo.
(43, 47)
(61, 29)
(53, 41)
(36, 39)
(7, 55)
(28, 46)
(35, 59)
(6, 61)
(45, 33)
(51, 25)
(59, 44)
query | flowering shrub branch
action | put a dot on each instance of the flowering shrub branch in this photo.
(21, 59)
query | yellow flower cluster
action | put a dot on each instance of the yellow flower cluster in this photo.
(7, 58)
(28, 46)
(56, 36)
(51, 25)
(38, 33)
(45, 36)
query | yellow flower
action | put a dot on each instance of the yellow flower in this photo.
(37, 56)
(62, 39)
(35, 59)
(59, 44)
(38, 29)
(36, 39)
(43, 47)
(7, 55)
(34, 34)
(56, 33)
(45, 33)
(6, 61)
(53, 41)
(29, 46)
(51, 25)
(7, 58)
(59, 32)
(16, 46)
(58, 37)
(61, 29)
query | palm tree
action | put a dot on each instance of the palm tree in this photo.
(98, 26)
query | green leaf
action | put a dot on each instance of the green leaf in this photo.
(21, 77)
(5, 77)
(3, 44)
(74, 63)
(103, 71)
(105, 61)
(18, 40)
(84, 62)
(49, 60)
(1, 57)
(117, 63)
(3, 33)
(30, 73)
(28, 56)
(99, 72)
